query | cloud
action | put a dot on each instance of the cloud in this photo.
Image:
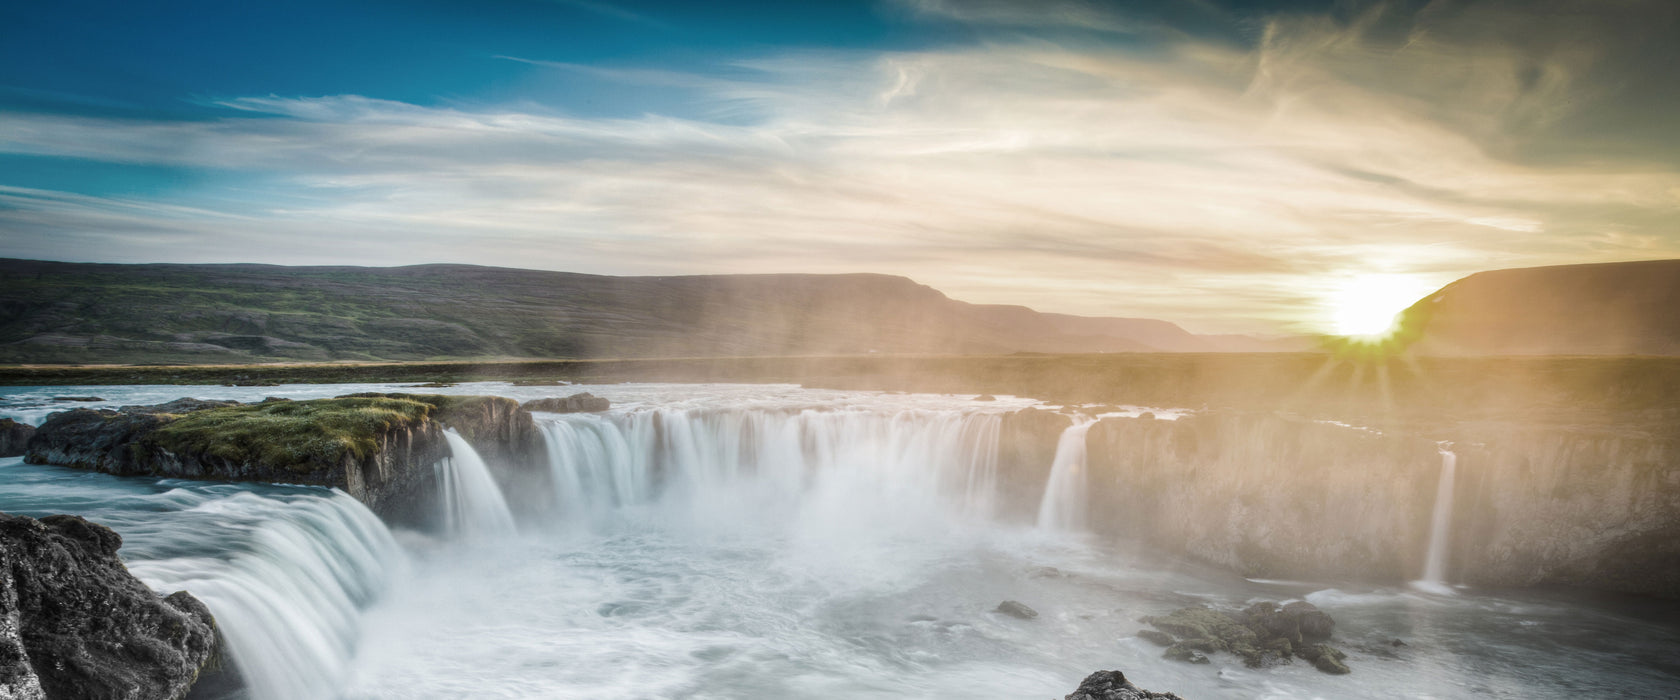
(1223, 185)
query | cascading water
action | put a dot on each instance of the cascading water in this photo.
(473, 504)
(1440, 526)
(734, 542)
(1063, 506)
(287, 592)
(936, 461)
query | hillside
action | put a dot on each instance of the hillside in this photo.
(96, 313)
(1630, 308)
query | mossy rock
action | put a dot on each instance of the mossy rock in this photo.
(296, 436)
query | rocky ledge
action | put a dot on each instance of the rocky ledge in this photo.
(75, 624)
(14, 437)
(576, 403)
(377, 447)
(1112, 685)
(1264, 634)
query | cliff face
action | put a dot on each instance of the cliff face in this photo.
(75, 624)
(1267, 495)
(378, 448)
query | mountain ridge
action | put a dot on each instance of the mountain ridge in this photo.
(59, 312)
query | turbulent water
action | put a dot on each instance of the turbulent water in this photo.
(769, 542)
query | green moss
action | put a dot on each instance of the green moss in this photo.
(299, 436)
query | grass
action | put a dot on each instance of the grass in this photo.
(297, 436)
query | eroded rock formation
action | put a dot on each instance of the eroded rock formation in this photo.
(14, 437)
(75, 624)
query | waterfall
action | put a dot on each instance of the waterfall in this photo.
(1063, 506)
(286, 584)
(772, 460)
(472, 502)
(1440, 525)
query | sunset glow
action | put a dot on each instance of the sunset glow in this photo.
(1367, 306)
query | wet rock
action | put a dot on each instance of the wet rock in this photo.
(985, 397)
(1264, 634)
(86, 399)
(1014, 608)
(1156, 637)
(1327, 658)
(76, 624)
(1112, 685)
(14, 437)
(1314, 624)
(431, 385)
(1183, 652)
(576, 403)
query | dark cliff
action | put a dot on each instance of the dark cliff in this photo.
(74, 624)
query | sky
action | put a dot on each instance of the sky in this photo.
(1229, 165)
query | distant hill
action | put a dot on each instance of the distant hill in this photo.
(1630, 308)
(96, 313)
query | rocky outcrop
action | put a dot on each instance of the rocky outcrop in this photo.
(1276, 496)
(1264, 634)
(14, 437)
(75, 624)
(379, 448)
(576, 403)
(1112, 685)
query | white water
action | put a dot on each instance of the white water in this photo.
(1440, 526)
(1063, 506)
(759, 542)
(473, 505)
(772, 466)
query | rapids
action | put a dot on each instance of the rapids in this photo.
(734, 541)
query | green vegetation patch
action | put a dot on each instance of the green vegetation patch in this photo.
(299, 436)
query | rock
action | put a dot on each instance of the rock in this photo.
(576, 403)
(1112, 685)
(1314, 624)
(985, 397)
(77, 625)
(14, 437)
(1183, 652)
(1397, 643)
(379, 448)
(181, 405)
(1018, 609)
(1264, 634)
(1156, 637)
(1327, 658)
(88, 399)
(431, 385)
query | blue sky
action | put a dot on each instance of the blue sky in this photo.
(1227, 165)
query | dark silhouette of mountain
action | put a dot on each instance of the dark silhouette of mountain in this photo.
(1630, 308)
(94, 313)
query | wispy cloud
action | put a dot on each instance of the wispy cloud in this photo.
(1218, 185)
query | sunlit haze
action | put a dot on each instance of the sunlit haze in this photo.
(1222, 165)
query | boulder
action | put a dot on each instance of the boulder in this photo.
(1156, 637)
(77, 625)
(1112, 685)
(1264, 635)
(576, 403)
(1017, 609)
(14, 437)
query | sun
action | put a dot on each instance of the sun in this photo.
(1368, 306)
